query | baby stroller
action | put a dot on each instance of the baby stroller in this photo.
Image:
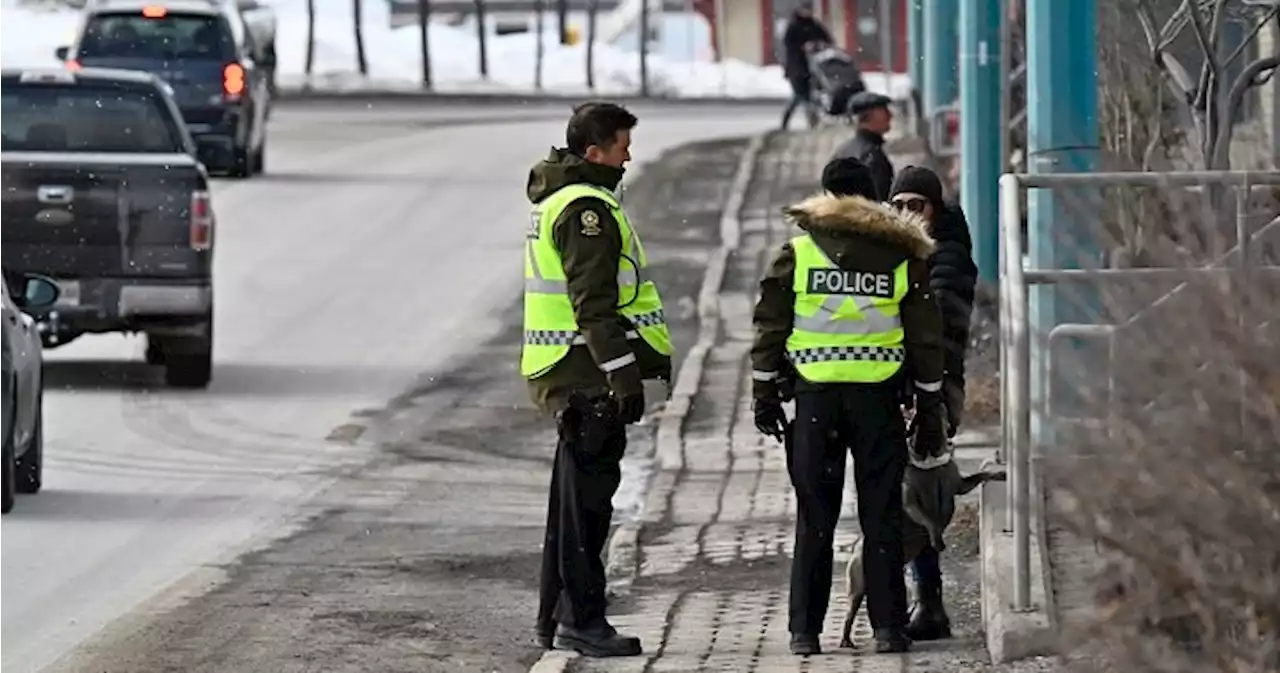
(835, 77)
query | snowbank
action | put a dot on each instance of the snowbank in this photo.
(28, 37)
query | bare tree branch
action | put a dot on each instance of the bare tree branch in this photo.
(1149, 28)
(1156, 138)
(1202, 38)
(1253, 33)
(1247, 79)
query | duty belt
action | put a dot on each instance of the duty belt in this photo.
(555, 337)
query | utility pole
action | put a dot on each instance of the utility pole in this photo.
(940, 50)
(482, 36)
(644, 48)
(539, 25)
(885, 24)
(915, 43)
(1062, 125)
(980, 129)
(1062, 137)
(593, 10)
(562, 17)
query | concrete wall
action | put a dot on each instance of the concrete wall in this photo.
(836, 21)
(743, 39)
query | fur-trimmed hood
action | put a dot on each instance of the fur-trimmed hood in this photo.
(845, 215)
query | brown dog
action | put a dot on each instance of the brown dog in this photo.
(929, 501)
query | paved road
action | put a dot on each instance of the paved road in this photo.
(377, 250)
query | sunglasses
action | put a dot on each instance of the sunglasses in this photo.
(914, 205)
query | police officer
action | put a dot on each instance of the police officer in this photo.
(593, 331)
(847, 306)
(874, 120)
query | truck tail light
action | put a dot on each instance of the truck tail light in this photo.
(232, 81)
(201, 221)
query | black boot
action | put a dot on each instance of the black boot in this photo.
(929, 619)
(889, 641)
(598, 640)
(805, 644)
(545, 634)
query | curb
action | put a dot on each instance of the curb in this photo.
(622, 555)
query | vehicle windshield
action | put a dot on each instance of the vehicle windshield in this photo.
(86, 118)
(159, 35)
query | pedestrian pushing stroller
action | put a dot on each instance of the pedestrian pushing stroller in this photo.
(835, 77)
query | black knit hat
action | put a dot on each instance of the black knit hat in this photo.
(918, 180)
(846, 176)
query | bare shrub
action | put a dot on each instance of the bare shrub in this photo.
(1175, 469)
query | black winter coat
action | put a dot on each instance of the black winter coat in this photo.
(952, 276)
(868, 148)
(800, 30)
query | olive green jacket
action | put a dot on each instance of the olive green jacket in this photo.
(589, 251)
(855, 234)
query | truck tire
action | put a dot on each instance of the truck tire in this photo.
(241, 163)
(258, 162)
(188, 361)
(154, 354)
(29, 469)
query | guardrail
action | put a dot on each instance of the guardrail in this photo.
(1018, 404)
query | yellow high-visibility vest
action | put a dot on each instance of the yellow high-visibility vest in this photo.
(550, 328)
(847, 326)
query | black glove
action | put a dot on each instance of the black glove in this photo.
(954, 402)
(928, 427)
(787, 382)
(628, 393)
(771, 420)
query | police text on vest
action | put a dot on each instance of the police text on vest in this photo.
(841, 281)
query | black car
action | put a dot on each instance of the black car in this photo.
(104, 193)
(205, 52)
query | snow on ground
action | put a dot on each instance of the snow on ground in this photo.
(29, 35)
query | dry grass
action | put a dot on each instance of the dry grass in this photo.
(982, 400)
(1177, 476)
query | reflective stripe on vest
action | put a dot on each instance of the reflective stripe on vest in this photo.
(550, 327)
(847, 327)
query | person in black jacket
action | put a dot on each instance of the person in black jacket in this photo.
(952, 276)
(802, 32)
(875, 120)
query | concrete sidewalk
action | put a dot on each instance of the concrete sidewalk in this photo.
(711, 567)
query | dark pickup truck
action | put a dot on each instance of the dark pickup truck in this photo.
(102, 191)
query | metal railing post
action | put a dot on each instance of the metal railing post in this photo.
(1019, 377)
(1242, 289)
(1015, 281)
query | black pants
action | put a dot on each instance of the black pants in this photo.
(801, 92)
(927, 569)
(585, 476)
(867, 421)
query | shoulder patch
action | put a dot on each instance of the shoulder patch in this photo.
(590, 223)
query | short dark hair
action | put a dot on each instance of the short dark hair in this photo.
(847, 176)
(596, 123)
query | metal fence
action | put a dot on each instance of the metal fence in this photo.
(1027, 382)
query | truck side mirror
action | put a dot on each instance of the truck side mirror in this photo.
(61, 53)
